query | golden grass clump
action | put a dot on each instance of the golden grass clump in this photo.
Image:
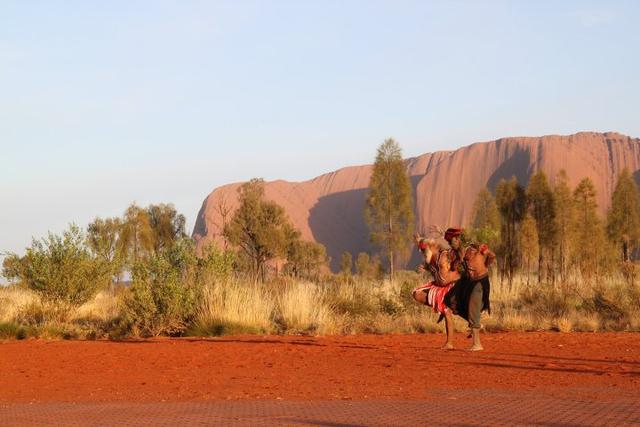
(104, 307)
(301, 308)
(234, 307)
(13, 299)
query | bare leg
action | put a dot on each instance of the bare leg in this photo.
(475, 306)
(475, 332)
(420, 297)
(448, 320)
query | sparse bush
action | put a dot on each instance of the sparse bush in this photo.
(163, 294)
(60, 269)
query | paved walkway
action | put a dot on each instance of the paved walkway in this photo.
(577, 407)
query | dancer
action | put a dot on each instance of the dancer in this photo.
(475, 296)
(470, 295)
(442, 264)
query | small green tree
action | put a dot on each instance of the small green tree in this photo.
(166, 224)
(305, 259)
(61, 269)
(259, 228)
(623, 218)
(389, 207)
(136, 237)
(103, 237)
(485, 223)
(368, 268)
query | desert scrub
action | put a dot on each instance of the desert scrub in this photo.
(163, 294)
(60, 269)
(232, 307)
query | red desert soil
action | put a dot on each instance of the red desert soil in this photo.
(293, 367)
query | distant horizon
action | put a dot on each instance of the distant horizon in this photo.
(191, 220)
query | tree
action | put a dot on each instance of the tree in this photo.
(305, 259)
(486, 219)
(389, 206)
(362, 264)
(103, 237)
(166, 224)
(346, 263)
(511, 201)
(224, 210)
(565, 217)
(259, 228)
(587, 229)
(542, 207)
(137, 236)
(528, 243)
(623, 218)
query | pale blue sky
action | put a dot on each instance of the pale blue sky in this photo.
(105, 103)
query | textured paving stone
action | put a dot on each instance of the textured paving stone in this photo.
(575, 407)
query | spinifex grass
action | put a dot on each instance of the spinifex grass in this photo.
(336, 305)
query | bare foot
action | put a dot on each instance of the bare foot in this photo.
(447, 346)
(476, 347)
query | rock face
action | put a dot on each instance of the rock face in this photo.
(329, 209)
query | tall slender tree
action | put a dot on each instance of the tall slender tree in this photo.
(137, 234)
(589, 239)
(543, 211)
(623, 218)
(512, 203)
(103, 238)
(528, 241)
(389, 206)
(565, 216)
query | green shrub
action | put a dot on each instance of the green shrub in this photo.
(163, 293)
(214, 265)
(60, 269)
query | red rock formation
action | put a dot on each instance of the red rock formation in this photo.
(329, 208)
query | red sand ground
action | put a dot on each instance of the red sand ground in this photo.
(363, 367)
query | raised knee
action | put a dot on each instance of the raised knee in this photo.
(419, 296)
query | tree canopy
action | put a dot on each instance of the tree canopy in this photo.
(389, 205)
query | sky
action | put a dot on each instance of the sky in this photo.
(107, 103)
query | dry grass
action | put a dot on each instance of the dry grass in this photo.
(302, 308)
(14, 299)
(24, 314)
(105, 306)
(232, 306)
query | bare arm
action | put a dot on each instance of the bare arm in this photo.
(490, 256)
